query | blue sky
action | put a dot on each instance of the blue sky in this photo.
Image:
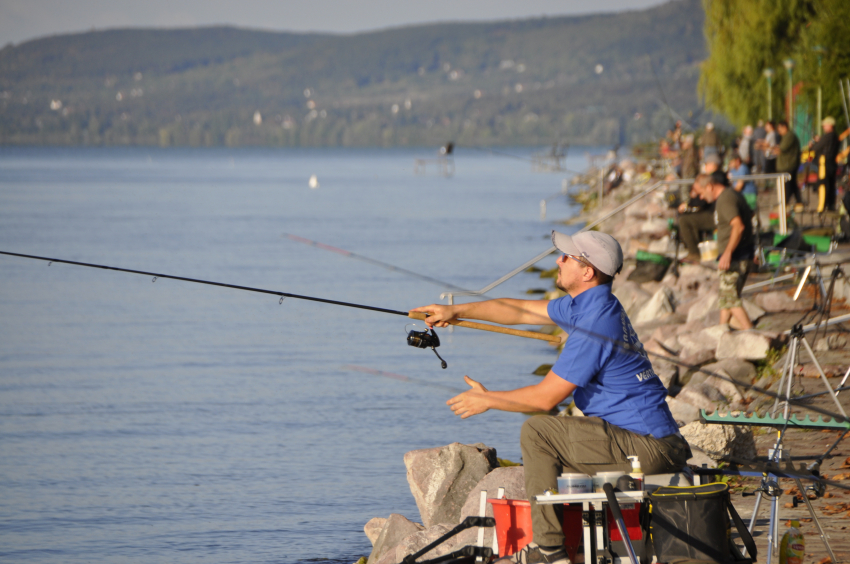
(21, 20)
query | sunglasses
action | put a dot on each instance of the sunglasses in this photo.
(576, 258)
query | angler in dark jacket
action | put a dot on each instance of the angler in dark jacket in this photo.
(788, 159)
(826, 149)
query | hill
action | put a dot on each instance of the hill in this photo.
(588, 79)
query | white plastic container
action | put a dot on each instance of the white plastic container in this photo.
(601, 478)
(707, 251)
(574, 483)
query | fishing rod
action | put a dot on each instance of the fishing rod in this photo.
(418, 339)
(517, 157)
(673, 113)
(376, 262)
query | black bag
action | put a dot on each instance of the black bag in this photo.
(691, 524)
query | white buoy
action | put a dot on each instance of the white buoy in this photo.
(314, 182)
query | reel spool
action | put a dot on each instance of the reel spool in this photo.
(425, 339)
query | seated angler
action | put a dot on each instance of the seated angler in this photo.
(603, 366)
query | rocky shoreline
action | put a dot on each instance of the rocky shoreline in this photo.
(674, 312)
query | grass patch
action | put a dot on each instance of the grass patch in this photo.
(767, 365)
(542, 370)
(505, 463)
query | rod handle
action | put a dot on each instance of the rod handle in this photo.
(494, 328)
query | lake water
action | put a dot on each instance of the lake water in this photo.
(166, 421)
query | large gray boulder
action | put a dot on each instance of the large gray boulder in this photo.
(701, 307)
(667, 337)
(719, 441)
(748, 345)
(711, 335)
(701, 396)
(695, 349)
(662, 304)
(373, 529)
(396, 528)
(695, 278)
(754, 312)
(441, 478)
(682, 411)
(415, 542)
(734, 377)
(777, 301)
(667, 371)
(511, 478)
(694, 342)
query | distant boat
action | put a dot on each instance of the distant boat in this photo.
(314, 182)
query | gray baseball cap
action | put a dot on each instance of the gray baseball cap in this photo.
(600, 249)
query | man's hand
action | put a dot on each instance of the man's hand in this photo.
(682, 207)
(471, 402)
(438, 315)
(725, 261)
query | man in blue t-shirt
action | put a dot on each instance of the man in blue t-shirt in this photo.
(603, 366)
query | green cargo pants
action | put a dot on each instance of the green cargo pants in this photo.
(552, 445)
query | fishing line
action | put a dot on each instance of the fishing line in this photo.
(401, 377)
(376, 262)
(673, 113)
(517, 157)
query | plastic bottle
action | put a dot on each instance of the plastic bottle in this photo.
(793, 545)
(636, 472)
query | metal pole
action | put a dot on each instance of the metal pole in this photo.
(769, 99)
(821, 532)
(819, 50)
(789, 66)
(768, 73)
(780, 194)
(844, 102)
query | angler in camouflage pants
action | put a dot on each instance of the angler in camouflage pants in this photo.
(731, 283)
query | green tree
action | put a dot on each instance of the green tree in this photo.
(745, 37)
(824, 55)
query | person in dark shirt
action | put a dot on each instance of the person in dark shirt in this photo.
(788, 159)
(695, 216)
(734, 221)
(826, 149)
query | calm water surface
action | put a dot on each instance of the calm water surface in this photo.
(165, 421)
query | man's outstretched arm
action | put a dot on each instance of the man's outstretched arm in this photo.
(543, 396)
(504, 311)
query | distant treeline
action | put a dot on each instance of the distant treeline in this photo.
(602, 79)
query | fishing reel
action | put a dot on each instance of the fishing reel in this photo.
(423, 340)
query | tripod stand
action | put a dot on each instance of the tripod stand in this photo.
(769, 485)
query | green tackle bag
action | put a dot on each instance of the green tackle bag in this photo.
(691, 524)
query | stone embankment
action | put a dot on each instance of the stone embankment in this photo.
(704, 364)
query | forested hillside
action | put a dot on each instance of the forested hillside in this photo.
(589, 79)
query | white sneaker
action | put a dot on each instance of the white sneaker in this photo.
(533, 554)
